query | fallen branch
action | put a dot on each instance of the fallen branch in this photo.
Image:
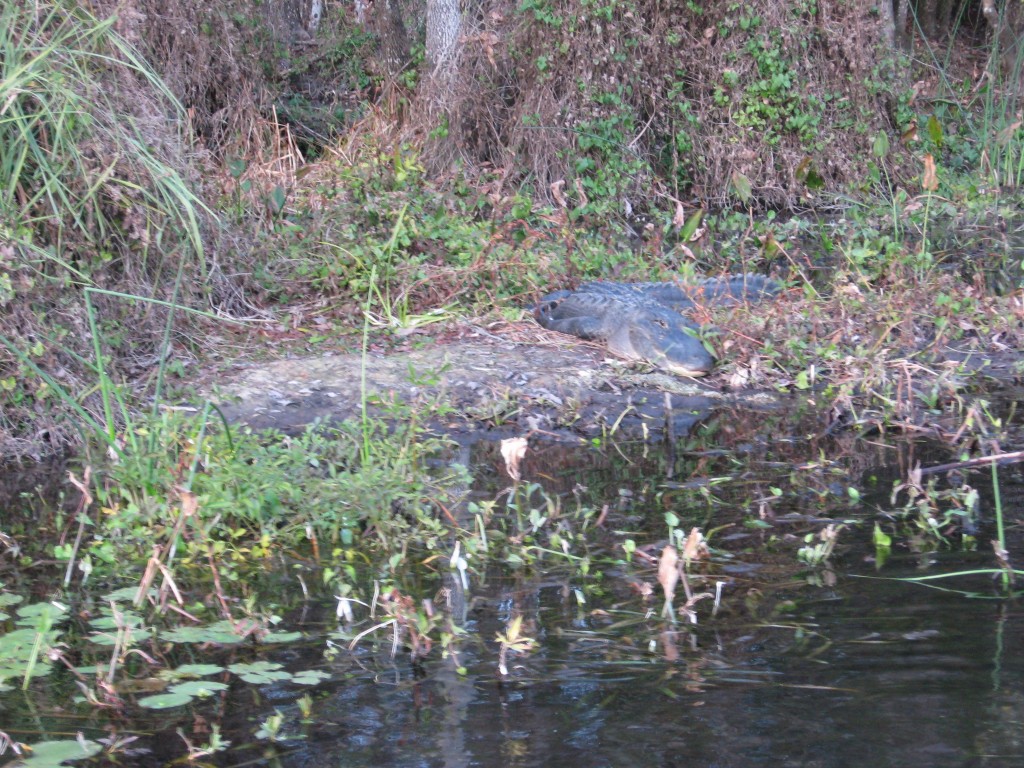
(1001, 458)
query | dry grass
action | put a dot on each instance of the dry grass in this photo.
(530, 90)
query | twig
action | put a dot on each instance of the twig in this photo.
(1013, 457)
(82, 514)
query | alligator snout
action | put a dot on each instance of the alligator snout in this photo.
(692, 360)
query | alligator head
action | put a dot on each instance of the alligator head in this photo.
(661, 337)
(642, 321)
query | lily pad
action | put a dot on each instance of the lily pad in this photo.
(49, 754)
(18, 647)
(190, 670)
(260, 672)
(109, 637)
(200, 688)
(141, 685)
(165, 700)
(281, 637)
(310, 677)
(221, 633)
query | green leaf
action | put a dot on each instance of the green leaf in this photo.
(277, 199)
(260, 672)
(17, 647)
(39, 614)
(221, 633)
(52, 753)
(192, 670)
(691, 225)
(880, 147)
(124, 619)
(813, 180)
(741, 185)
(310, 677)
(934, 128)
(281, 637)
(165, 700)
(200, 688)
(126, 595)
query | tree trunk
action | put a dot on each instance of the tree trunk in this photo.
(1007, 26)
(316, 11)
(393, 37)
(444, 23)
(902, 18)
(927, 11)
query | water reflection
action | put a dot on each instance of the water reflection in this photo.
(896, 677)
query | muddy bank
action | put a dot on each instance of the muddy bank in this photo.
(520, 378)
(478, 380)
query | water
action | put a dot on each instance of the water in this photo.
(862, 673)
(827, 666)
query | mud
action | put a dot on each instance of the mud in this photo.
(516, 377)
(477, 381)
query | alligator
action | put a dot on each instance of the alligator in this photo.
(643, 321)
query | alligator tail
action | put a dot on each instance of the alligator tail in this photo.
(724, 290)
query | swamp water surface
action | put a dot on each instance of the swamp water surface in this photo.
(837, 663)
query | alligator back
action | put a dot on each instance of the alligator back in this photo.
(734, 289)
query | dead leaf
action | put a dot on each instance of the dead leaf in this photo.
(83, 486)
(642, 588)
(1002, 556)
(584, 201)
(1005, 136)
(513, 450)
(668, 573)
(680, 217)
(910, 134)
(740, 378)
(668, 641)
(929, 181)
(696, 547)
(849, 289)
(556, 192)
(687, 611)
(189, 503)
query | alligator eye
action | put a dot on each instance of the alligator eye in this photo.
(661, 323)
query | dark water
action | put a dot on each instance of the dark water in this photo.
(887, 679)
(829, 666)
